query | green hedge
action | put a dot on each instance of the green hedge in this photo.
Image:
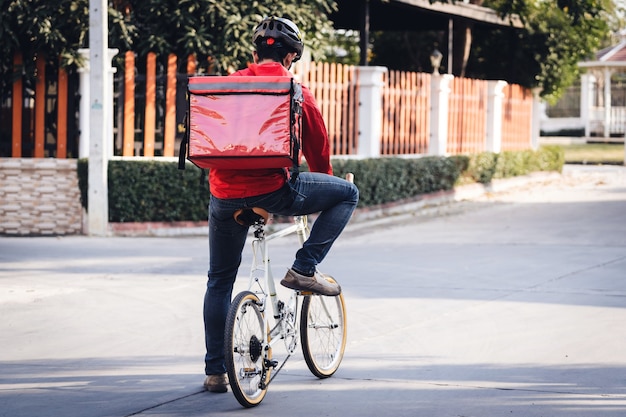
(141, 191)
(382, 180)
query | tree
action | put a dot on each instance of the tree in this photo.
(558, 35)
(343, 47)
(209, 28)
(221, 30)
(53, 29)
(545, 54)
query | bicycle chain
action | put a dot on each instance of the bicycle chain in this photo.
(276, 371)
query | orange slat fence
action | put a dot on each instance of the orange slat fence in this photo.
(149, 128)
(38, 116)
(62, 99)
(40, 119)
(17, 100)
(517, 112)
(154, 103)
(467, 129)
(170, 107)
(406, 109)
(128, 140)
(336, 92)
(40, 109)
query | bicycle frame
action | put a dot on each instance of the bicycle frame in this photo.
(266, 286)
(318, 324)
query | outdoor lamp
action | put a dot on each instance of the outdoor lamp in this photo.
(435, 60)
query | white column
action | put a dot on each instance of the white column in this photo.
(83, 112)
(607, 102)
(494, 115)
(99, 115)
(84, 91)
(537, 113)
(439, 104)
(370, 110)
(587, 86)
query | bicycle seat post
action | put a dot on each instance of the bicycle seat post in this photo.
(302, 230)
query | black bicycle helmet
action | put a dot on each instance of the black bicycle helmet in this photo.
(282, 32)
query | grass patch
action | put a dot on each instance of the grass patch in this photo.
(594, 153)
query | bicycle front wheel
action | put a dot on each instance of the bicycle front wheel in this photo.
(245, 338)
(323, 333)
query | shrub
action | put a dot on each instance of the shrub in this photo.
(141, 191)
(482, 167)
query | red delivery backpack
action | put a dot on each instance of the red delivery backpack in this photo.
(243, 122)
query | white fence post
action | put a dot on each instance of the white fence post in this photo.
(83, 114)
(100, 118)
(494, 115)
(370, 110)
(439, 99)
(607, 102)
(587, 87)
(535, 122)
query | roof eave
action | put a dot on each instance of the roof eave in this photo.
(602, 64)
(467, 11)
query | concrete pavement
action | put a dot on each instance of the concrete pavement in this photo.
(508, 303)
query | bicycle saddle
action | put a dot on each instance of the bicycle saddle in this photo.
(251, 216)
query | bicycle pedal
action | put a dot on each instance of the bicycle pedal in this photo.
(270, 364)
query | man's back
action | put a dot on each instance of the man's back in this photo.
(226, 183)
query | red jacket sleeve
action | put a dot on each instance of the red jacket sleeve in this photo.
(315, 144)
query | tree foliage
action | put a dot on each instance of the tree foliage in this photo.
(221, 30)
(216, 29)
(557, 35)
(53, 29)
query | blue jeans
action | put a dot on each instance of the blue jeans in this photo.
(333, 197)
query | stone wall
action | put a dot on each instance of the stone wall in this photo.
(39, 196)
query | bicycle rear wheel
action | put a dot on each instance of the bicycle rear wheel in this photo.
(245, 337)
(323, 333)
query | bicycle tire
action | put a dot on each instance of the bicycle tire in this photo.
(245, 337)
(323, 333)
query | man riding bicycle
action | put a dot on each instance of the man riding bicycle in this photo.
(278, 44)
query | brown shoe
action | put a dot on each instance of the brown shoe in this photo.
(216, 383)
(317, 284)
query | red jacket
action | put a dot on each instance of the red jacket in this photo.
(227, 183)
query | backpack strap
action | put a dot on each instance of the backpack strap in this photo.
(182, 152)
(297, 98)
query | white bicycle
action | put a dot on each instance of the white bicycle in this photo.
(258, 321)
